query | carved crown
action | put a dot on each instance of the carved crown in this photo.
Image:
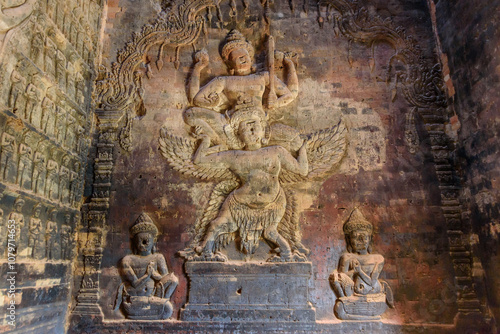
(235, 40)
(144, 224)
(357, 222)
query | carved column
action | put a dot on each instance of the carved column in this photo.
(457, 229)
(97, 211)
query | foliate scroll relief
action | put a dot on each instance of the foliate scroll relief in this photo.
(253, 161)
(147, 284)
(360, 293)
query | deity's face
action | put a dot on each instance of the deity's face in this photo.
(19, 207)
(37, 212)
(240, 61)
(144, 242)
(360, 241)
(251, 133)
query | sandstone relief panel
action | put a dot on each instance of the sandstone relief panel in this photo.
(360, 294)
(147, 284)
(194, 137)
(45, 126)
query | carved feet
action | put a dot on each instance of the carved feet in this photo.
(213, 257)
(294, 257)
(198, 254)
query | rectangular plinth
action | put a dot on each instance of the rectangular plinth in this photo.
(242, 291)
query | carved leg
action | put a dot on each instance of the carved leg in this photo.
(172, 285)
(217, 226)
(3, 166)
(272, 235)
(20, 174)
(13, 99)
(34, 180)
(207, 122)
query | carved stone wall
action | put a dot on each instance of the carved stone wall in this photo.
(370, 187)
(48, 56)
(474, 70)
(371, 64)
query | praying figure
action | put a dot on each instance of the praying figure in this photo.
(35, 239)
(360, 293)
(147, 284)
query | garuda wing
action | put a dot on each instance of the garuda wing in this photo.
(179, 153)
(325, 148)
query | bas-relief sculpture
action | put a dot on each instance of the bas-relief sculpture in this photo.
(51, 233)
(360, 293)
(35, 240)
(11, 17)
(203, 132)
(17, 216)
(252, 159)
(147, 284)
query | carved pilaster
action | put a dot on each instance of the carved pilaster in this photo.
(88, 294)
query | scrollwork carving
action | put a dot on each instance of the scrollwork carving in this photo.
(422, 85)
(119, 88)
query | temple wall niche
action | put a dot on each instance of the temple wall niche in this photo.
(391, 179)
(48, 56)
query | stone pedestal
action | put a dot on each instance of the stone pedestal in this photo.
(242, 291)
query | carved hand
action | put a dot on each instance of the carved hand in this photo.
(150, 269)
(201, 59)
(356, 265)
(212, 98)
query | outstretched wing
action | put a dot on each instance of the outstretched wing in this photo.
(325, 149)
(179, 153)
(289, 225)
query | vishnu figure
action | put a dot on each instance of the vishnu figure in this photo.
(216, 102)
(147, 284)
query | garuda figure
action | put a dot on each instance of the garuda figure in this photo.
(253, 160)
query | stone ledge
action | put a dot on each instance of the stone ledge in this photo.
(88, 325)
(243, 291)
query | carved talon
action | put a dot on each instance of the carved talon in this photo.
(295, 257)
(213, 257)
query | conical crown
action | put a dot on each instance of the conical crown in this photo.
(357, 222)
(144, 224)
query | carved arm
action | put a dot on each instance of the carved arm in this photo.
(289, 91)
(209, 95)
(300, 166)
(205, 156)
(162, 268)
(129, 274)
(201, 61)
